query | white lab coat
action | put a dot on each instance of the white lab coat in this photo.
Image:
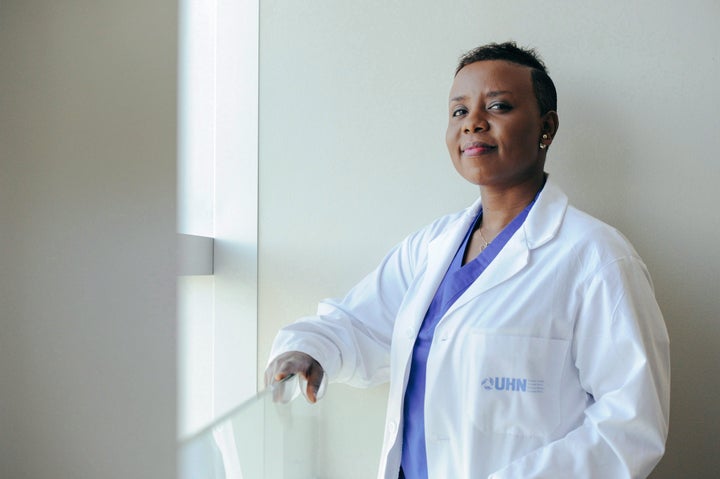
(553, 364)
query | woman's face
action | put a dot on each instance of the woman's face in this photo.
(495, 128)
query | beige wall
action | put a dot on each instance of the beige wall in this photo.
(87, 239)
(352, 158)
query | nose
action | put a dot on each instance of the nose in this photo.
(475, 122)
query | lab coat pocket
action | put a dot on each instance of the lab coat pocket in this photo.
(513, 383)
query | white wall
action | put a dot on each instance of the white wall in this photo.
(87, 234)
(352, 158)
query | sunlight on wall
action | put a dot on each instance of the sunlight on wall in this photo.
(217, 198)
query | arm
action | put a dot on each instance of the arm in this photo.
(350, 338)
(621, 351)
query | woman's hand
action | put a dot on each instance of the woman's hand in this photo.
(308, 370)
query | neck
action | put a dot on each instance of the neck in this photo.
(501, 205)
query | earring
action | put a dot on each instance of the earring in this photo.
(543, 145)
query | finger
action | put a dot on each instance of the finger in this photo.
(282, 375)
(278, 393)
(273, 369)
(279, 369)
(314, 380)
(311, 393)
(272, 375)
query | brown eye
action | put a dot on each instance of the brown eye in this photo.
(459, 112)
(499, 106)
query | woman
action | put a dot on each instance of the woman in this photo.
(521, 337)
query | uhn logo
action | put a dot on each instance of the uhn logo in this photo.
(513, 384)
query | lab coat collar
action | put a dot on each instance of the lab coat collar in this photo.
(541, 225)
(546, 216)
(543, 221)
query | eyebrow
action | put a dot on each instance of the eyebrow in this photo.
(490, 94)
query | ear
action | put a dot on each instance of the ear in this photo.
(550, 124)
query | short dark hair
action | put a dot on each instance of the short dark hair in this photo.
(543, 86)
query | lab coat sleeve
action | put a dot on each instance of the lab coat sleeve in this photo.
(621, 351)
(350, 338)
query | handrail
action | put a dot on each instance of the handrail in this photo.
(259, 439)
(259, 396)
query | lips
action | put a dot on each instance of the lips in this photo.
(476, 148)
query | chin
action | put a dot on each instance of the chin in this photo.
(474, 178)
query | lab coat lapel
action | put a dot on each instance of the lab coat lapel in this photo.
(509, 262)
(440, 254)
(436, 265)
(540, 226)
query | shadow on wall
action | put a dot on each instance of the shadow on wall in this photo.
(617, 182)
